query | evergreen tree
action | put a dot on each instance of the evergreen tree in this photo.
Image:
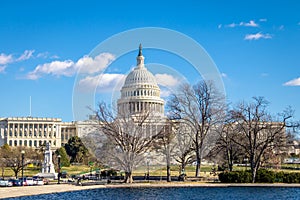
(64, 160)
(76, 149)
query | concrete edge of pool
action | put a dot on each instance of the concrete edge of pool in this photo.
(9, 192)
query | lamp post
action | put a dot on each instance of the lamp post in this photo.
(148, 169)
(58, 176)
(23, 154)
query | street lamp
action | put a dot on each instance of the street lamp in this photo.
(23, 154)
(148, 162)
(58, 176)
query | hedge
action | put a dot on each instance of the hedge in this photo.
(262, 176)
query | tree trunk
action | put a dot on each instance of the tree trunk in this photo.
(168, 173)
(16, 173)
(253, 168)
(230, 160)
(182, 167)
(254, 174)
(2, 170)
(128, 177)
(198, 164)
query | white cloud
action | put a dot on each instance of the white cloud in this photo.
(165, 93)
(263, 20)
(299, 23)
(264, 74)
(223, 75)
(56, 68)
(232, 25)
(43, 55)
(166, 80)
(251, 23)
(5, 59)
(26, 55)
(281, 27)
(294, 82)
(2, 69)
(103, 82)
(89, 65)
(257, 36)
(85, 64)
(219, 26)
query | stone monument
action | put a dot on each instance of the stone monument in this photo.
(48, 166)
(48, 170)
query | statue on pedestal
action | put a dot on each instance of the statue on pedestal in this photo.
(48, 170)
(48, 166)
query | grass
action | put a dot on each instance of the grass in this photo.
(155, 170)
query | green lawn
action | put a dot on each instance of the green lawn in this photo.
(155, 170)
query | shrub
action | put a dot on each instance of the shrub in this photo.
(262, 176)
(235, 177)
(265, 176)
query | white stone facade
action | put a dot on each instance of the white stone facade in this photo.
(30, 131)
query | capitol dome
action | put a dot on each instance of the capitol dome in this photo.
(140, 92)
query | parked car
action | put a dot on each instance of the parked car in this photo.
(45, 180)
(28, 181)
(5, 183)
(15, 182)
(38, 181)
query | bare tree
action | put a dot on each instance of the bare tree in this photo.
(199, 106)
(127, 136)
(166, 144)
(258, 131)
(225, 149)
(12, 157)
(184, 154)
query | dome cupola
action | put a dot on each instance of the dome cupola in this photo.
(140, 92)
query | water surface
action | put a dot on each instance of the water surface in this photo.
(207, 193)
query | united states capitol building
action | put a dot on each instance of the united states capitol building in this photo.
(139, 93)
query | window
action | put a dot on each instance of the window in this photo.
(20, 142)
(30, 143)
(20, 133)
(25, 143)
(35, 143)
(15, 143)
(10, 143)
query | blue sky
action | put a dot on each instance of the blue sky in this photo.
(255, 46)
